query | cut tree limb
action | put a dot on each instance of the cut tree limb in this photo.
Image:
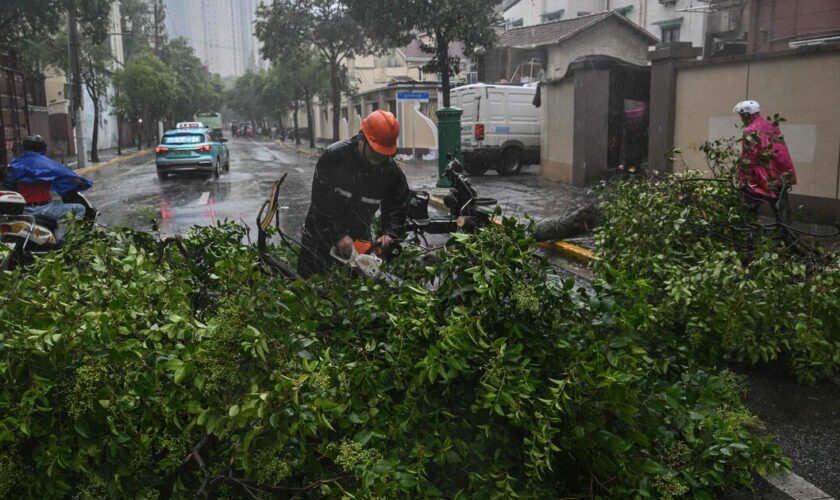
(574, 222)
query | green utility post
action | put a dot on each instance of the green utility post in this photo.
(449, 141)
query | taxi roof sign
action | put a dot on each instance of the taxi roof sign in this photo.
(190, 125)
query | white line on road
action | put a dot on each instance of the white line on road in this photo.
(797, 487)
(300, 170)
(275, 155)
(205, 197)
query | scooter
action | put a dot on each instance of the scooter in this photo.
(29, 236)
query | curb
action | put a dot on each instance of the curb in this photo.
(115, 161)
(306, 152)
(568, 250)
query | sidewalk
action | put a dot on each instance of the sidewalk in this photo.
(109, 157)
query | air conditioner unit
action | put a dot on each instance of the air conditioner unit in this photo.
(720, 22)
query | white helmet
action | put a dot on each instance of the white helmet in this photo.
(747, 107)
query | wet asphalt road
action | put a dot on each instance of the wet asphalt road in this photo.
(128, 194)
(805, 420)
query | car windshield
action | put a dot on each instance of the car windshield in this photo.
(183, 139)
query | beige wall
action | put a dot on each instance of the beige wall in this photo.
(557, 140)
(803, 88)
(610, 38)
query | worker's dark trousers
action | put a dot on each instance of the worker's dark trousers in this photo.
(314, 256)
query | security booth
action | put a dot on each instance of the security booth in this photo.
(595, 120)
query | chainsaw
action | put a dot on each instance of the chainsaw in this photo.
(365, 257)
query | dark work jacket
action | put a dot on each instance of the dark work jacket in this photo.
(347, 192)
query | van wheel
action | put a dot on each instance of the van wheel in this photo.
(477, 168)
(162, 176)
(511, 162)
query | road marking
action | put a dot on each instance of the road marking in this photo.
(205, 197)
(300, 170)
(275, 155)
(797, 488)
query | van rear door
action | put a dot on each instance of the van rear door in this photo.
(523, 117)
(469, 105)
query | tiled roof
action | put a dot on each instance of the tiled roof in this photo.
(548, 33)
(557, 31)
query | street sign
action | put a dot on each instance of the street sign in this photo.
(413, 96)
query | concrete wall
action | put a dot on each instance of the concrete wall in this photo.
(610, 38)
(802, 87)
(557, 138)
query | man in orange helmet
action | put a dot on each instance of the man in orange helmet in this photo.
(353, 180)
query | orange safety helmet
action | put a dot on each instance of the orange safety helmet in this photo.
(381, 130)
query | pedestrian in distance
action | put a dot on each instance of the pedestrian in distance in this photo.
(353, 180)
(767, 172)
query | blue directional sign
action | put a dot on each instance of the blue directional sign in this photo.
(413, 96)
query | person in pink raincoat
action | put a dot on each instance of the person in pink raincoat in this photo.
(768, 169)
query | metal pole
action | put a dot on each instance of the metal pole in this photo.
(75, 73)
(413, 133)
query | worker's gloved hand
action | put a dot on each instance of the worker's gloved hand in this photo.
(345, 246)
(385, 241)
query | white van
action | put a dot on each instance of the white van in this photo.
(500, 127)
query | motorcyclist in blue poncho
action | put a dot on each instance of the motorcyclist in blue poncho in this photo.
(34, 176)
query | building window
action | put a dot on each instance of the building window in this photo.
(516, 23)
(670, 29)
(671, 34)
(583, 13)
(553, 16)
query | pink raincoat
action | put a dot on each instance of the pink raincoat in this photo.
(763, 179)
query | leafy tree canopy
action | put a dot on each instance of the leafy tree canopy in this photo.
(288, 28)
(197, 89)
(148, 87)
(34, 19)
(435, 23)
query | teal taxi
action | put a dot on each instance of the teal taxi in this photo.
(191, 147)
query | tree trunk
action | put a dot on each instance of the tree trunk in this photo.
(94, 138)
(574, 222)
(335, 86)
(139, 128)
(119, 134)
(309, 119)
(443, 61)
(297, 130)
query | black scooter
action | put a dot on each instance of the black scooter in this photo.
(28, 236)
